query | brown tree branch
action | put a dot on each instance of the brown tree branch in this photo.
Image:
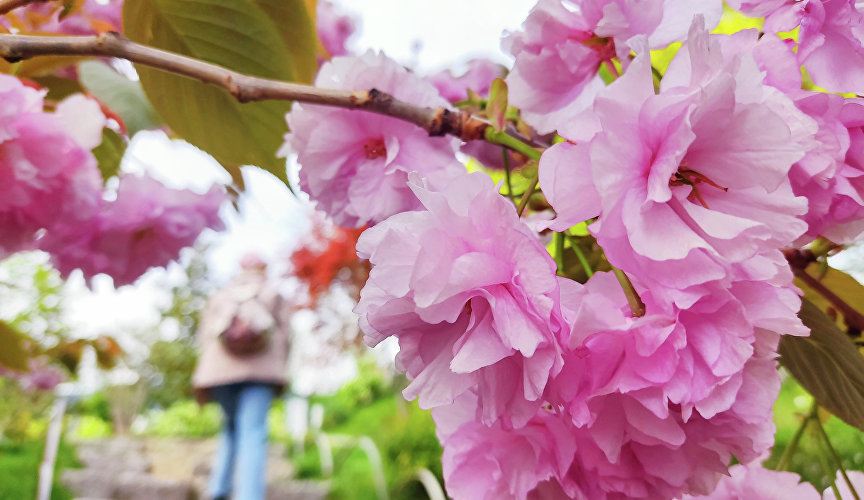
(244, 88)
(8, 5)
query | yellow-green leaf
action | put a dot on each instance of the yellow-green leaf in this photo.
(109, 153)
(13, 353)
(496, 107)
(241, 35)
(298, 34)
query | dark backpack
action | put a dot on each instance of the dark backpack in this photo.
(250, 329)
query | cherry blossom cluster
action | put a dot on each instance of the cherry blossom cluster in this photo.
(692, 181)
(41, 376)
(86, 18)
(53, 197)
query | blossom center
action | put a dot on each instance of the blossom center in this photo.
(375, 148)
(692, 178)
(604, 47)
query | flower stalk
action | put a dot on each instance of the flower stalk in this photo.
(637, 307)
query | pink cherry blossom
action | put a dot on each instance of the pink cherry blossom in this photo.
(471, 295)
(39, 186)
(564, 42)
(754, 482)
(334, 27)
(146, 226)
(40, 376)
(634, 440)
(829, 175)
(687, 181)
(92, 17)
(478, 78)
(355, 164)
(830, 36)
(631, 451)
(846, 212)
(494, 462)
(692, 358)
(627, 447)
(823, 175)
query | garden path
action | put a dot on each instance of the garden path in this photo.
(128, 468)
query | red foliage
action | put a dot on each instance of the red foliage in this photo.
(329, 258)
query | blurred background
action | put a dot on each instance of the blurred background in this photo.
(343, 430)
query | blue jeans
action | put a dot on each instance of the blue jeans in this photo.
(241, 462)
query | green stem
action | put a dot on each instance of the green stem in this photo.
(526, 196)
(506, 159)
(574, 244)
(836, 457)
(559, 252)
(790, 450)
(503, 138)
(637, 307)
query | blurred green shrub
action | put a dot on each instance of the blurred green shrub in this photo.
(21, 411)
(369, 386)
(371, 405)
(94, 405)
(185, 419)
(170, 364)
(89, 427)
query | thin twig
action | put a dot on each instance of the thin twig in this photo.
(792, 447)
(527, 196)
(506, 159)
(8, 5)
(574, 244)
(245, 88)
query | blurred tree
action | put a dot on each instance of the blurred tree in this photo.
(170, 363)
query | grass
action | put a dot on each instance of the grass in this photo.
(19, 470)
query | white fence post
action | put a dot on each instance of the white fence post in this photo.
(52, 442)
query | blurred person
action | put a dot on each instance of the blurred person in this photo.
(244, 339)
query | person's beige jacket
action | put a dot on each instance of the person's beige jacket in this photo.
(216, 366)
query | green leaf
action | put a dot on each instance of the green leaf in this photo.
(298, 34)
(496, 107)
(122, 95)
(58, 87)
(827, 364)
(13, 353)
(846, 287)
(248, 36)
(109, 153)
